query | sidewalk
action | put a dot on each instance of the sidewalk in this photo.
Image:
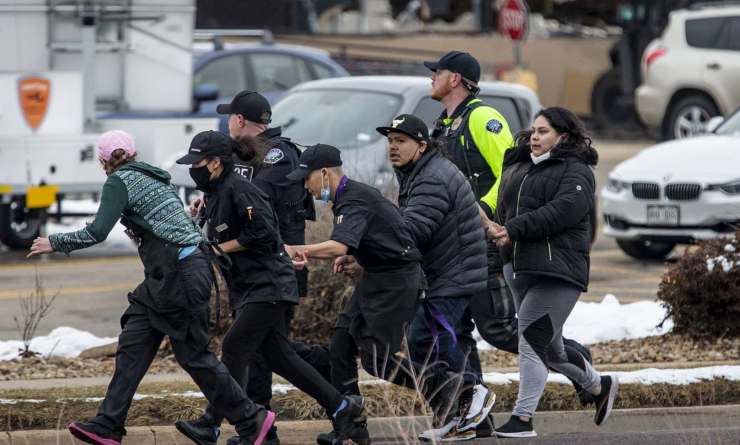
(547, 423)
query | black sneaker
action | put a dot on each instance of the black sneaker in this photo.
(485, 428)
(94, 434)
(345, 419)
(360, 436)
(516, 427)
(605, 399)
(201, 430)
(271, 438)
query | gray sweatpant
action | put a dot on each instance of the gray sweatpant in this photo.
(542, 305)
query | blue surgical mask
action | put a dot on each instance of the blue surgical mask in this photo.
(325, 191)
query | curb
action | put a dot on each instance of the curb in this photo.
(547, 423)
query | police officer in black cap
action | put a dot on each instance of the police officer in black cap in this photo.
(262, 286)
(265, 157)
(370, 228)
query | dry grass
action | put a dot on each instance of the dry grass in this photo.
(382, 401)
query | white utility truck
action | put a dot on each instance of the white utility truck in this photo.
(70, 70)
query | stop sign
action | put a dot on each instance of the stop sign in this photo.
(513, 19)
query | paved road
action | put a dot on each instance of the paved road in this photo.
(710, 425)
(93, 284)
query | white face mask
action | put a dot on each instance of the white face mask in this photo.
(540, 158)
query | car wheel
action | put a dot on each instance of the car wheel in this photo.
(607, 108)
(645, 250)
(19, 226)
(688, 117)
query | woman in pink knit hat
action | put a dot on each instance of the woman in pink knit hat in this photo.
(172, 300)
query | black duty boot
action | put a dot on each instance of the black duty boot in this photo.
(203, 430)
(360, 436)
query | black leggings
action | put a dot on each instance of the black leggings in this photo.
(261, 329)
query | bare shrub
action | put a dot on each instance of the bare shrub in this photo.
(34, 308)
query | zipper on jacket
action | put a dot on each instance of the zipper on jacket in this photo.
(518, 197)
(549, 250)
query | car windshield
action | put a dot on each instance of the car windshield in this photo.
(342, 118)
(731, 126)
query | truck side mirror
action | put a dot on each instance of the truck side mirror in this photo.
(205, 92)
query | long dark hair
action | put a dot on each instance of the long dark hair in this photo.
(576, 141)
(250, 149)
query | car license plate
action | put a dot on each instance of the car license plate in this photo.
(662, 215)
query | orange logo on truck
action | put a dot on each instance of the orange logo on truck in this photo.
(34, 98)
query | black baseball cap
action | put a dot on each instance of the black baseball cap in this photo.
(458, 62)
(409, 125)
(250, 104)
(208, 144)
(316, 157)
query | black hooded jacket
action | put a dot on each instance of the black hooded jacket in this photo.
(546, 209)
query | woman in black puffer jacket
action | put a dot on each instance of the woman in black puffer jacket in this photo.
(544, 235)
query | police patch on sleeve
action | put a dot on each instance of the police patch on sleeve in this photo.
(274, 156)
(494, 126)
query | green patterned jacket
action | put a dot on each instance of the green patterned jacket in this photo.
(144, 193)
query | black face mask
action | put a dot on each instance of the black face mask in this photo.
(201, 176)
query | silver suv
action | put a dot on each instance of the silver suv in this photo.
(691, 72)
(344, 112)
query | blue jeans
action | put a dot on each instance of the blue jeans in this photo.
(421, 338)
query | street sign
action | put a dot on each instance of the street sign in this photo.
(513, 20)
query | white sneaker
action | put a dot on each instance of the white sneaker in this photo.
(446, 433)
(481, 404)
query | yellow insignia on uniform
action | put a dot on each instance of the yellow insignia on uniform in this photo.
(397, 122)
(456, 123)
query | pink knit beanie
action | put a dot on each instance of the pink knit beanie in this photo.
(113, 140)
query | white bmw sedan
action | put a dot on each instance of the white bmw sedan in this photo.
(676, 192)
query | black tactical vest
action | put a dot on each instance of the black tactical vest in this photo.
(458, 145)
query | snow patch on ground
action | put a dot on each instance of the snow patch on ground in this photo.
(647, 376)
(63, 342)
(610, 320)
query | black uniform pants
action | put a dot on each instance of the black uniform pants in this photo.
(434, 381)
(372, 327)
(259, 384)
(139, 342)
(261, 329)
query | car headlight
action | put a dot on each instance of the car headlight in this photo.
(616, 186)
(731, 188)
